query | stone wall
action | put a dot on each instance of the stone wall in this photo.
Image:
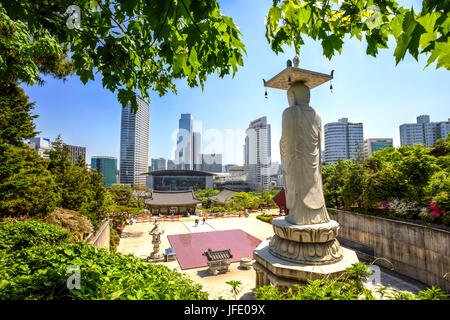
(417, 251)
(101, 237)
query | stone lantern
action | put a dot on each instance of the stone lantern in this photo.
(304, 245)
(156, 233)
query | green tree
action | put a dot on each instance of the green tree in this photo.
(16, 121)
(141, 192)
(80, 189)
(333, 179)
(27, 51)
(243, 200)
(266, 198)
(417, 167)
(26, 185)
(355, 185)
(378, 21)
(207, 192)
(123, 195)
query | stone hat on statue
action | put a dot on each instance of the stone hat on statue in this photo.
(292, 74)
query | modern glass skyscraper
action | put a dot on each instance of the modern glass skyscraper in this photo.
(107, 166)
(257, 154)
(158, 164)
(134, 141)
(343, 140)
(183, 153)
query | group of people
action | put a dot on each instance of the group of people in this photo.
(196, 221)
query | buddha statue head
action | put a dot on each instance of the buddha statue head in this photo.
(298, 93)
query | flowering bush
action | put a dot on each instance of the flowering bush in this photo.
(435, 210)
(402, 207)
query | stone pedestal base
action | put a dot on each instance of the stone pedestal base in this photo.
(271, 270)
(155, 258)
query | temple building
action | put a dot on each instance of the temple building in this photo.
(172, 202)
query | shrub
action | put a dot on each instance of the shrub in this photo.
(34, 261)
(264, 218)
(206, 203)
(347, 287)
(41, 273)
(69, 220)
(16, 235)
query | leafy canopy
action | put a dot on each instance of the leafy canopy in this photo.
(135, 45)
(330, 21)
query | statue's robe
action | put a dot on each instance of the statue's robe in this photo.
(301, 161)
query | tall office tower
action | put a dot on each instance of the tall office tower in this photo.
(41, 145)
(212, 162)
(343, 140)
(257, 154)
(75, 152)
(375, 144)
(107, 166)
(171, 165)
(158, 164)
(183, 153)
(197, 151)
(134, 140)
(444, 129)
(423, 132)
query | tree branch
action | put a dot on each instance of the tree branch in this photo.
(192, 19)
(162, 25)
(112, 17)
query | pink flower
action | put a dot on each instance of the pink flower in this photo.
(435, 210)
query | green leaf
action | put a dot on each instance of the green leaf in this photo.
(274, 16)
(179, 63)
(441, 52)
(428, 22)
(116, 294)
(193, 60)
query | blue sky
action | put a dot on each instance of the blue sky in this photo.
(369, 90)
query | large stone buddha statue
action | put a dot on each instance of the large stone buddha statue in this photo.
(301, 159)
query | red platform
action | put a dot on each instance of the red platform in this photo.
(190, 247)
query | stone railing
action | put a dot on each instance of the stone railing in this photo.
(101, 237)
(417, 251)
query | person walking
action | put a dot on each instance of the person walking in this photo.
(204, 220)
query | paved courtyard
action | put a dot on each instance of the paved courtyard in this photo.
(136, 240)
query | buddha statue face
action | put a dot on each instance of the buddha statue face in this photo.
(298, 93)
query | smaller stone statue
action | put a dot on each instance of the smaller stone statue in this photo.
(296, 61)
(156, 233)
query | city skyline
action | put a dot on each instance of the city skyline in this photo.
(369, 90)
